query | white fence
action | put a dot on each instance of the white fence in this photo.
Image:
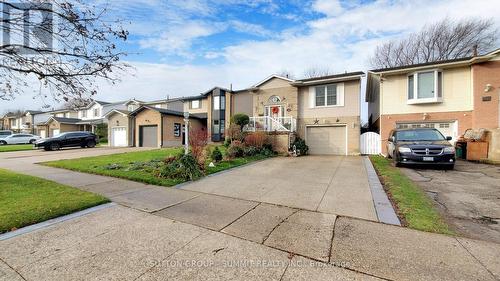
(370, 143)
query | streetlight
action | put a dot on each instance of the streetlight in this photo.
(186, 132)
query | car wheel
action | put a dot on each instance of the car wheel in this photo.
(3, 142)
(46, 148)
(54, 146)
(91, 144)
(32, 141)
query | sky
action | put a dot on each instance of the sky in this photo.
(185, 47)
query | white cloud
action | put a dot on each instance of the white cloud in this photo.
(342, 40)
(328, 7)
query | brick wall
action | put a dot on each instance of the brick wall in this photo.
(388, 122)
(486, 112)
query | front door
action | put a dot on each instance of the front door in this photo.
(276, 112)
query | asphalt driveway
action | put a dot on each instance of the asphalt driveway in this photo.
(327, 184)
(468, 197)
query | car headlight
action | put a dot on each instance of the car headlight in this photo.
(449, 149)
(404, 150)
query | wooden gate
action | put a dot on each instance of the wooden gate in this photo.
(370, 143)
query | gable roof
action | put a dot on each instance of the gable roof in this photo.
(63, 120)
(269, 78)
(119, 111)
(163, 111)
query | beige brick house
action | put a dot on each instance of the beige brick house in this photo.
(451, 96)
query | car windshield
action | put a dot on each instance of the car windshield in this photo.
(419, 135)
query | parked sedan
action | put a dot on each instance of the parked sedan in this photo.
(68, 139)
(19, 139)
(420, 146)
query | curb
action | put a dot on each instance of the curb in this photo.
(383, 207)
(47, 223)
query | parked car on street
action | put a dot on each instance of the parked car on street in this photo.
(5, 133)
(19, 139)
(68, 139)
(420, 146)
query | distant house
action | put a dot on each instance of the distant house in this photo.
(451, 96)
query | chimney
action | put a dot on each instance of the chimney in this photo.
(168, 97)
(474, 50)
(231, 87)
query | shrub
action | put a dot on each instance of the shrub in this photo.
(240, 119)
(236, 149)
(234, 133)
(256, 139)
(198, 142)
(250, 151)
(301, 146)
(101, 130)
(184, 168)
(227, 141)
(267, 152)
(216, 154)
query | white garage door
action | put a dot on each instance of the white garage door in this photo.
(448, 129)
(118, 136)
(327, 140)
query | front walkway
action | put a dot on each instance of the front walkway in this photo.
(185, 234)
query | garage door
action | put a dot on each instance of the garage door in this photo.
(55, 132)
(327, 140)
(148, 136)
(118, 136)
(448, 128)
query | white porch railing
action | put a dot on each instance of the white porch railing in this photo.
(270, 124)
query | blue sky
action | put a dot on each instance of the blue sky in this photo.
(184, 47)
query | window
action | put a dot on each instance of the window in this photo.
(326, 95)
(216, 127)
(216, 102)
(84, 113)
(195, 104)
(222, 127)
(424, 87)
(130, 108)
(96, 112)
(222, 102)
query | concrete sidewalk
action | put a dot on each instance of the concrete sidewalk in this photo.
(120, 243)
(165, 230)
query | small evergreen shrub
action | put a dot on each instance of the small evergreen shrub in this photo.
(216, 155)
(240, 119)
(301, 146)
(250, 151)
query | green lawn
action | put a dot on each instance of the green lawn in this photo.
(26, 200)
(98, 164)
(413, 204)
(15, 147)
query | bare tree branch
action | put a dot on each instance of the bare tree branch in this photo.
(83, 50)
(443, 40)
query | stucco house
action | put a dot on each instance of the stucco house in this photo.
(451, 96)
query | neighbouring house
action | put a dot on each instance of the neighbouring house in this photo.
(52, 123)
(451, 96)
(159, 127)
(21, 122)
(120, 128)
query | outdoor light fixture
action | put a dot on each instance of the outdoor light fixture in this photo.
(487, 88)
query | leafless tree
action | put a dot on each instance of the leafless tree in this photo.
(65, 47)
(317, 71)
(77, 102)
(444, 40)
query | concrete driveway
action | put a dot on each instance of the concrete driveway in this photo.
(468, 197)
(326, 184)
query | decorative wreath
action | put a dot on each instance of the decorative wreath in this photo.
(275, 109)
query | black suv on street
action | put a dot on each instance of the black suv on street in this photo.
(420, 146)
(68, 139)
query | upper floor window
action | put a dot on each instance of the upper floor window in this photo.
(84, 113)
(425, 87)
(326, 95)
(217, 103)
(195, 104)
(96, 112)
(130, 107)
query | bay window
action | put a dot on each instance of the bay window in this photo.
(425, 87)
